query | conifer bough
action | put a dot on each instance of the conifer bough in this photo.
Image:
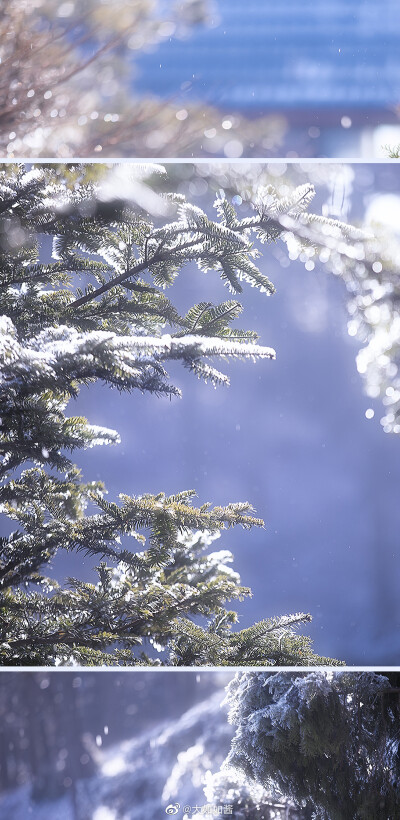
(327, 740)
(167, 591)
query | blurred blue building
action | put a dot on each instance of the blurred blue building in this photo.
(314, 62)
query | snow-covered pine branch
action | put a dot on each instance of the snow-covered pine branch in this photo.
(97, 311)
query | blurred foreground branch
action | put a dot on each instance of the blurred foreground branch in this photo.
(67, 76)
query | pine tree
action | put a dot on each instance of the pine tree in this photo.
(168, 590)
(328, 740)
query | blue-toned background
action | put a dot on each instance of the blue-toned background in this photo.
(314, 62)
(263, 54)
(291, 437)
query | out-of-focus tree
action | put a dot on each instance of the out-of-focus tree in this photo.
(57, 336)
(328, 740)
(67, 84)
(366, 261)
(45, 734)
(49, 723)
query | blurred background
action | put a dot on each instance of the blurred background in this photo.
(298, 437)
(110, 745)
(331, 70)
(195, 78)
